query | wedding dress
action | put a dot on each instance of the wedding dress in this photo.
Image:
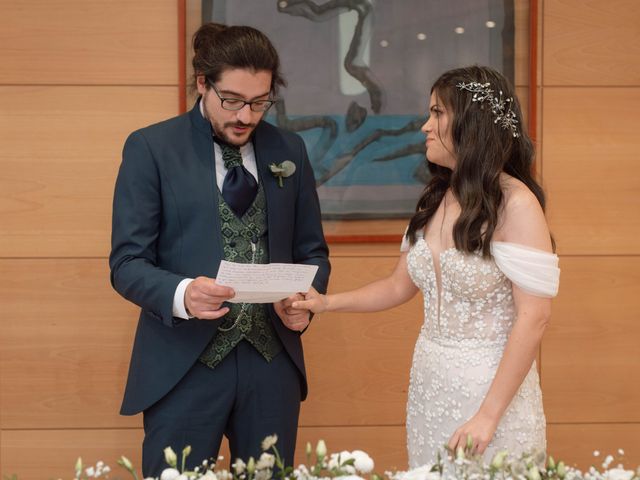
(468, 315)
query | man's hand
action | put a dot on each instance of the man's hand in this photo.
(203, 298)
(296, 319)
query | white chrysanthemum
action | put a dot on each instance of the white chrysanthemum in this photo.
(269, 442)
(239, 466)
(265, 461)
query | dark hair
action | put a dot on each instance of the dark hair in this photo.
(483, 150)
(218, 47)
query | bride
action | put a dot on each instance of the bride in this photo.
(479, 249)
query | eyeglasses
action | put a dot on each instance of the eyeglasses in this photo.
(235, 104)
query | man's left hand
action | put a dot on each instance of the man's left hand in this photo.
(293, 318)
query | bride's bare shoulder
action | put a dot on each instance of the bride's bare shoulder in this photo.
(522, 218)
(516, 194)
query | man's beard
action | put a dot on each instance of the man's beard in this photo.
(218, 129)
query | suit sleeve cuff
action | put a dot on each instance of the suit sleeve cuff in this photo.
(179, 309)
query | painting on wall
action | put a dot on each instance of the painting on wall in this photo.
(359, 73)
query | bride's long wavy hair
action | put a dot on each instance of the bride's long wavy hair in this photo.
(483, 150)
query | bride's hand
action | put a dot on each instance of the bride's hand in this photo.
(479, 429)
(313, 300)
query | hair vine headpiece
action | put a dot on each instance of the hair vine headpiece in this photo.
(500, 107)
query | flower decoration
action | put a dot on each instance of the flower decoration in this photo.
(282, 170)
(500, 106)
(354, 465)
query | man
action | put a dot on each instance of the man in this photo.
(192, 191)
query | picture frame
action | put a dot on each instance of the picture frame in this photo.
(343, 222)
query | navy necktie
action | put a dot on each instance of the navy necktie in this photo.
(239, 187)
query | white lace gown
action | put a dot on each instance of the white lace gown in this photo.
(468, 315)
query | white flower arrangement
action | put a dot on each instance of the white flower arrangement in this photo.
(345, 465)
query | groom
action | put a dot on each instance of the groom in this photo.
(192, 191)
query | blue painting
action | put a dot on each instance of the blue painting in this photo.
(359, 73)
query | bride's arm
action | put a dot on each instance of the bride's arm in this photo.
(524, 224)
(382, 294)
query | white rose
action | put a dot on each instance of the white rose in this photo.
(363, 462)
(337, 461)
(169, 474)
(618, 474)
(209, 476)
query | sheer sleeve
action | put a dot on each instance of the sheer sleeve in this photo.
(534, 271)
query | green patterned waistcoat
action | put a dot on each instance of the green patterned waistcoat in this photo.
(253, 323)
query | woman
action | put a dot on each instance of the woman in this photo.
(479, 249)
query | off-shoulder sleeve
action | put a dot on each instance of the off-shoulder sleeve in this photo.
(534, 271)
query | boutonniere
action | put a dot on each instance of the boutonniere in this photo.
(282, 170)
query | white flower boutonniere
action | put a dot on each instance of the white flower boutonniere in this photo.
(282, 170)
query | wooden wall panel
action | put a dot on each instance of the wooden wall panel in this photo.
(591, 165)
(590, 355)
(38, 454)
(575, 444)
(61, 149)
(65, 345)
(358, 364)
(88, 42)
(64, 356)
(590, 42)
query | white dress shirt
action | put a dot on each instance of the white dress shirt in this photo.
(249, 162)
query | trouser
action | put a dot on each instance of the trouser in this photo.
(244, 398)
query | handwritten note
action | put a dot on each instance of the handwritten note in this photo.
(265, 283)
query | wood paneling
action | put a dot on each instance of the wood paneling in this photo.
(575, 444)
(590, 42)
(65, 345)
(65, 351)
(88, 42)
(38, 454)
(590, 161)
(358, 364)
(61, 149)
(590, 355)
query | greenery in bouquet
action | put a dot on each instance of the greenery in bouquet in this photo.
(355, 465)
(270, 465)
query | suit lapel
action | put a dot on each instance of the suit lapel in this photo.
(202, 141)
(268, 149)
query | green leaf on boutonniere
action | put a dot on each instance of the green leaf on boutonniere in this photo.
(282, 170)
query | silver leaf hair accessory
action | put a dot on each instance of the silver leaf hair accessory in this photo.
(500, 107)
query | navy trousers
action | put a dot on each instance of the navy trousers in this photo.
(244, 398)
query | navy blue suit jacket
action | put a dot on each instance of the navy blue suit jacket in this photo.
(166, 228)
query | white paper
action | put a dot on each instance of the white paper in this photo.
(265, 283)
